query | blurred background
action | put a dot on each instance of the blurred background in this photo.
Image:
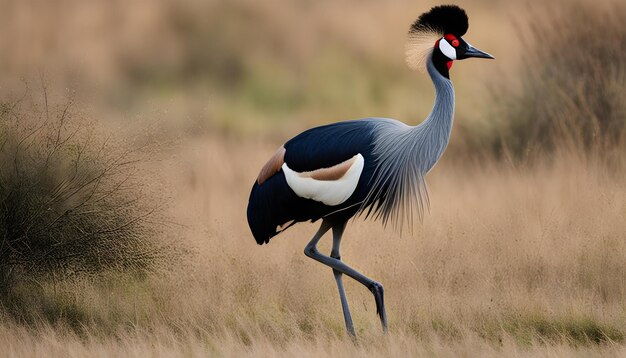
(175, 106)
(243, 67)
(272, 68)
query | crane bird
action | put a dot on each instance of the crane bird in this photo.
(370, 166)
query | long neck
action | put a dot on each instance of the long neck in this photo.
(440, 117)
(405, 154)
(434, 131)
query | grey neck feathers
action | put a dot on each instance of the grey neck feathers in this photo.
(435, 130)
(404, 155)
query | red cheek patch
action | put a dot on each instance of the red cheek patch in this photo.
(452, 40)
(449, 64)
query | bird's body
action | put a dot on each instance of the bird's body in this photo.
(374, 166)
(390, 149)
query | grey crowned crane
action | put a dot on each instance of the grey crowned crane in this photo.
(370, 166)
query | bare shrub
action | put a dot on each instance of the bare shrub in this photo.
(70, 202)
(573, 83)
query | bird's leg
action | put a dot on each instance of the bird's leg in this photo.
(337, 233)
(376, 288)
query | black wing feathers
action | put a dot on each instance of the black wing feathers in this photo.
(274, 204)
(325, 146)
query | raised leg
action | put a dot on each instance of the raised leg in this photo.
(376, 288)
(337, 233)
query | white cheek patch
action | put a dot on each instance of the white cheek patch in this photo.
(447, 49)
(329, 192)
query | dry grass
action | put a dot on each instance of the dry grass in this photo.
(70, 202)
(17, 341)
(239, 66)
(528, 261)
(572, 84)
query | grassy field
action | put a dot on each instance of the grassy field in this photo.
(514, 261)
(518, 255)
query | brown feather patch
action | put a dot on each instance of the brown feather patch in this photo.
(272, 166)
(333, 173)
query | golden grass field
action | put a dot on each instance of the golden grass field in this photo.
(509, 261)
(512, 259)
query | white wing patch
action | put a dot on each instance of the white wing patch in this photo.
(329, 192)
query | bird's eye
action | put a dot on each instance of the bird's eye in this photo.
(452, 40)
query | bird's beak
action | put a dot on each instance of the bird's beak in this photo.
(474, 52)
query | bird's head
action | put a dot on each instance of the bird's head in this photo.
(444, 27)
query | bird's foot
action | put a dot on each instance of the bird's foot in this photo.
(378, 291)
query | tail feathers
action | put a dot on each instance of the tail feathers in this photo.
(272, 208)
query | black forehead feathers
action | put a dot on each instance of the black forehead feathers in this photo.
(443, 19)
